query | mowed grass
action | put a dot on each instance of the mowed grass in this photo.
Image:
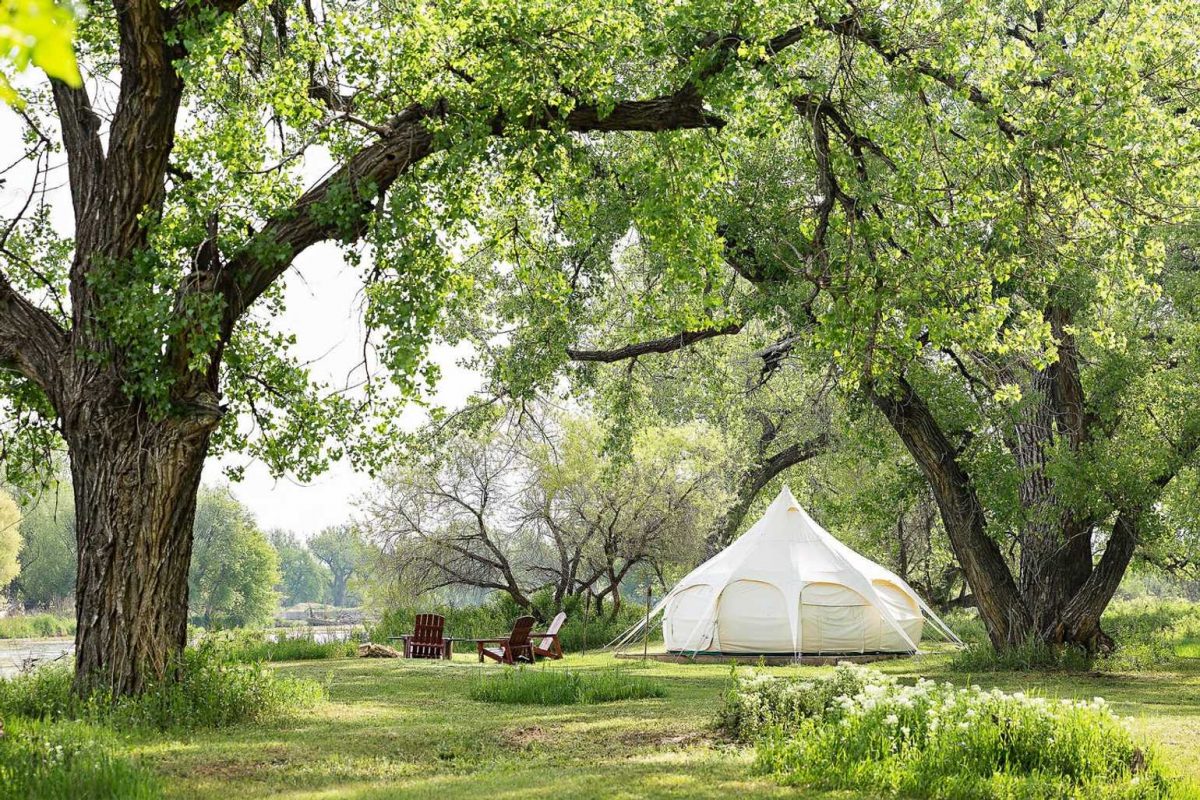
(409, 729)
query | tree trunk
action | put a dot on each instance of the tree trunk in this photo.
(135, 483)
(999, 601)
(337, 589)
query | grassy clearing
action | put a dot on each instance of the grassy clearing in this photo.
(410, 729)
(36, 626)
(564, 687)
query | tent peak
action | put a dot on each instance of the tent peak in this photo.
(786, 499)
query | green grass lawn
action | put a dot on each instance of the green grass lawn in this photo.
(397, 728)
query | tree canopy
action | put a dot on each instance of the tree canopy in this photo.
(980, 215)
(234, 569)
(304, 579)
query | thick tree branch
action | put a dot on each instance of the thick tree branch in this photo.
(752, 481)
(139, 145)
(368, 175)
(667, 344)
(81, 139)
(31, 340)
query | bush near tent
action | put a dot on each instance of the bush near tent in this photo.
(859, 729)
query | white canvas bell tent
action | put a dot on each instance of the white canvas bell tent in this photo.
(787, 586)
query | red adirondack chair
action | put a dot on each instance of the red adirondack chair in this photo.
(549, 647)
(426, 640)
(512, 648)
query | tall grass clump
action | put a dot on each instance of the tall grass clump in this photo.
(938, 741)
(67, 761)
(255, 646)
(36, 626)
(544, 687)
(1024, 657)
(209, 689)
(1148, 633)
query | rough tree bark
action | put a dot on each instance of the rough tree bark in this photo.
(999, 601)
(135, 488)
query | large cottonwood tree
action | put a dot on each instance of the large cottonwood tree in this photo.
(141, 333)
(980, 215)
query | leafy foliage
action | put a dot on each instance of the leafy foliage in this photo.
(31, 626)
(67, 761)
(210, 688)
(342, 550)
(10, 540)
(40, 32)
(48, 552)
(234, 569)
(541, 502)
(304, 578)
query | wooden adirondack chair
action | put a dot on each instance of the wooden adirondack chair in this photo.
(426, 640)
(549, 647)
(516, 646)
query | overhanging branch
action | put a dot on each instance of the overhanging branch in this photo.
(667, 344)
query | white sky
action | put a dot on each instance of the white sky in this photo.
(323, 310)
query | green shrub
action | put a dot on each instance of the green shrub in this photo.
(965, 622)
(210, 689)
(66, 761)
(555, 687)
(756, 703)
(937, 741)
(44, 693)
(36, 626)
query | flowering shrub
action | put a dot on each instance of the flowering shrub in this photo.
(938, 741)
(756, 703)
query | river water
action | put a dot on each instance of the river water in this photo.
(19, 654)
